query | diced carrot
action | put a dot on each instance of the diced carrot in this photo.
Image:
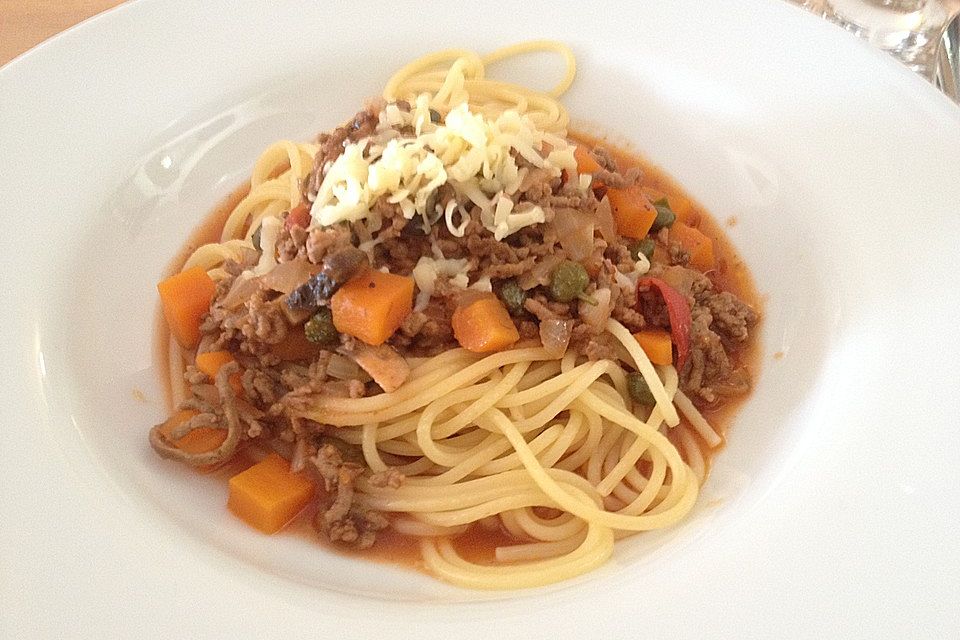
(681, 206)
(210, 363)
(199, 440)
(586, 163)
(295, 346)
(483, 324)
(656, 343)
(268, 495)
(632, 211)
(185, 297)
(698, 245)
(652, 194)
(372, 305)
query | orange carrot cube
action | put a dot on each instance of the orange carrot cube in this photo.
(372, 305)
(267, 496)
(185, 297)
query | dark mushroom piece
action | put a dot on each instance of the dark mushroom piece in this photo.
(338, 267)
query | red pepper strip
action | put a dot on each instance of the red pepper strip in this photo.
(677, 310)
(299, 216)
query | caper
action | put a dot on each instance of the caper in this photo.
(319, 329)
(569, 281)
(641, 247)
(513, 297)
(639, 390)
(665, 215)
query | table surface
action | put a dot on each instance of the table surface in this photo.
(26, 23)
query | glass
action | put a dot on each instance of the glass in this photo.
(911, 30)
(949, 76)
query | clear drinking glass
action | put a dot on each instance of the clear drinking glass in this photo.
(909, 29)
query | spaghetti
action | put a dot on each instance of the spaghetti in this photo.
(550, 447)
(510, 433)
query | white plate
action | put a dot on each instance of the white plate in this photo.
(834, 508)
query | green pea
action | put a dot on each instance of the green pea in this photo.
(639, 390)
(569, 281)
(641, 247)
(665, 215)
(513, 297)
(319, 328)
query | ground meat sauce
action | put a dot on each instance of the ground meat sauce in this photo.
(264, 327)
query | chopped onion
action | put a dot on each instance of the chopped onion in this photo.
(555, 335)
(642, 265)
(287, 276)
(574, 231)
(241, 290)
(624, 281)
(605, 223)
(539, 275)
(299, 459)
(596, 315)
(269, 234)
(482, 284)
(342, 368)
(387, 367)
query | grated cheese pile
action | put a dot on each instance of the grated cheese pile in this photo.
(472, 153)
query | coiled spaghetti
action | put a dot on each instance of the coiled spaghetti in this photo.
(458, 76)
(500, 435)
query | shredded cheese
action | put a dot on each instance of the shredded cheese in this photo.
(426, 272)
(475, 154)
